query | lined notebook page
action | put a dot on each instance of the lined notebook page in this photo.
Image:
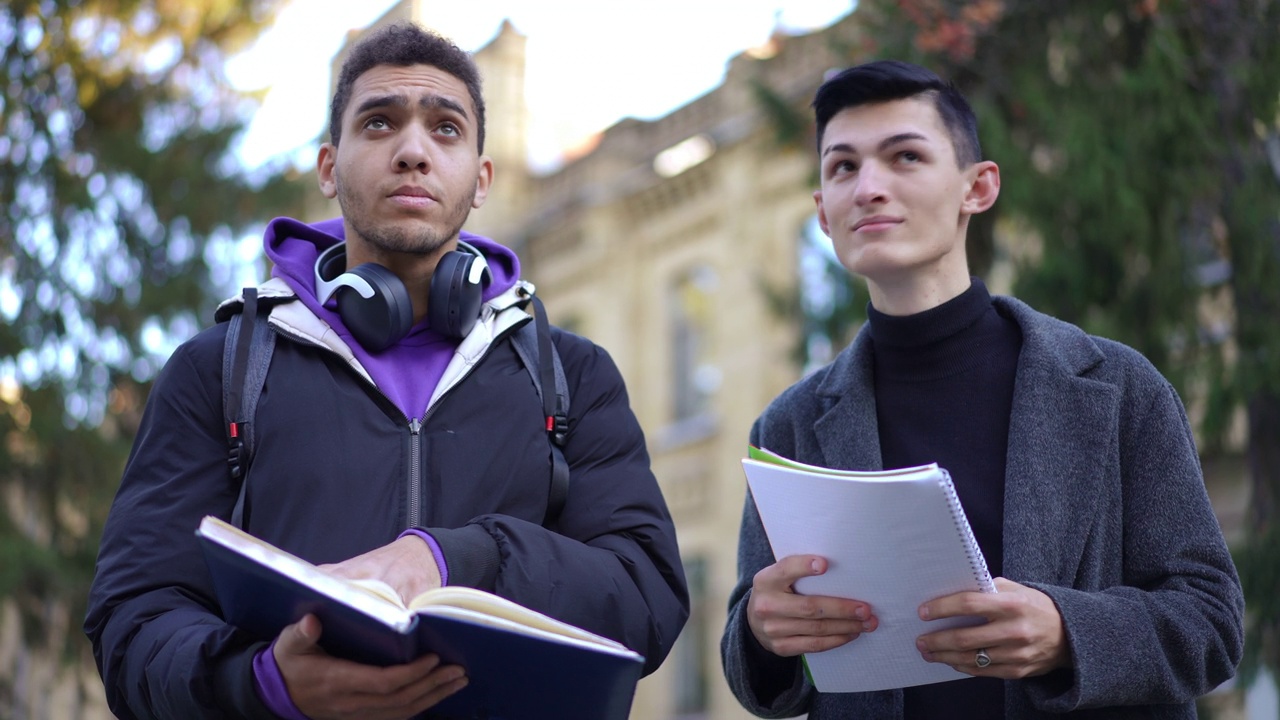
(893, 539)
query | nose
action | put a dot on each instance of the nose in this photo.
(871, 187)
(413, 149)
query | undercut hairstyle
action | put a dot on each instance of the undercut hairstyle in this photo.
(888, 80)
(405, 44)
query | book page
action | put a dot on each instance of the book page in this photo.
(480, 606)
(891, 541)
(376, 588)
(580, 638)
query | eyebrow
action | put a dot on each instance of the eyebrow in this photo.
(885, 143)
(428, 102)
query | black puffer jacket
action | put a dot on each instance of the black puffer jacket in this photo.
(331, 479)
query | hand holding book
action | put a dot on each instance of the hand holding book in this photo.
(319, 683)
(519, 663)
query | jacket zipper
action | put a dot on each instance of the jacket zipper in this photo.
(415, 473)
(415, 431)
(414, 510)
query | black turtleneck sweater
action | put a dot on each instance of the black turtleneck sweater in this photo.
(944, 393)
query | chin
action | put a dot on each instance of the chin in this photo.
(872, 262)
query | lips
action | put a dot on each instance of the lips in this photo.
(412, 196)
(411, 191)
(874, 223)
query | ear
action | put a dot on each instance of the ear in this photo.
(822, 213)
(325, 170)
(983, 188)
(484, 179)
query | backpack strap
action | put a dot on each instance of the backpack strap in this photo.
(533, 344)
(246, 356)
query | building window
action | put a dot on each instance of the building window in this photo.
(694, 377)
(690, 655)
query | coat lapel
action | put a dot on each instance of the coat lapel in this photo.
(848, 435)
(1059, 431)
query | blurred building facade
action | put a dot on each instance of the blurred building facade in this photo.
(665, 243)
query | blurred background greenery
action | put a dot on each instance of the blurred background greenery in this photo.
(1139, 141)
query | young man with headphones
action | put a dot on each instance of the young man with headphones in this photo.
(398, 434)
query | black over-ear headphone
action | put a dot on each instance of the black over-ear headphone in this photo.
(377, 309)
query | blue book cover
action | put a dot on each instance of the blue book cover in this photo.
(520, 663)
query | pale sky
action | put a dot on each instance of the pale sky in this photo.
(590, 63)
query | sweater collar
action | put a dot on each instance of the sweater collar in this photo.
(933, 325)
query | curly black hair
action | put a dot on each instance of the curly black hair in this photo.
(403, 44)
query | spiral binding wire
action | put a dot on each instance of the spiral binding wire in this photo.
(977, 562)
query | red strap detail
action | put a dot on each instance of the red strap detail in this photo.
(235, 430)
(551, 423)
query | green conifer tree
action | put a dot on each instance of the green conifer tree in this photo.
(121, 212)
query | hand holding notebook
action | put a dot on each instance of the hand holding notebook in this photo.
(893, 539)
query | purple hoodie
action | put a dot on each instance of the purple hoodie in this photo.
(407, 372)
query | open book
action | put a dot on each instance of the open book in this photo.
(894, 539)
(520, 663)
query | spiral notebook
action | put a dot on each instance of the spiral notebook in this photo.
(894, 539)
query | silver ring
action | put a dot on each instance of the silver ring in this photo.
(982, 659)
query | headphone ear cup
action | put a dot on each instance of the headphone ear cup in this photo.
(454, 303)
(378, 322)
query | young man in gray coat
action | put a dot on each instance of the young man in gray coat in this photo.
(1071, 454)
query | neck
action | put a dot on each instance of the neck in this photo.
(913, 294)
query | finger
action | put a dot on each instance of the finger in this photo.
(800, 644)
(404, 682)
(781, 575)
(362, 692)
(437, 686)
(391, 693)
(299, 638)
(965, 660)
(1001, 665)
(964, 640)
(1007, 585)
(791, 627)
(789, 605)
(962, 604)
(788, 636)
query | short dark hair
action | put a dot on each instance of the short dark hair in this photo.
(403, 44)
(886, 80)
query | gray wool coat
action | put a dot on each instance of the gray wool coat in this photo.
(1105, 511)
